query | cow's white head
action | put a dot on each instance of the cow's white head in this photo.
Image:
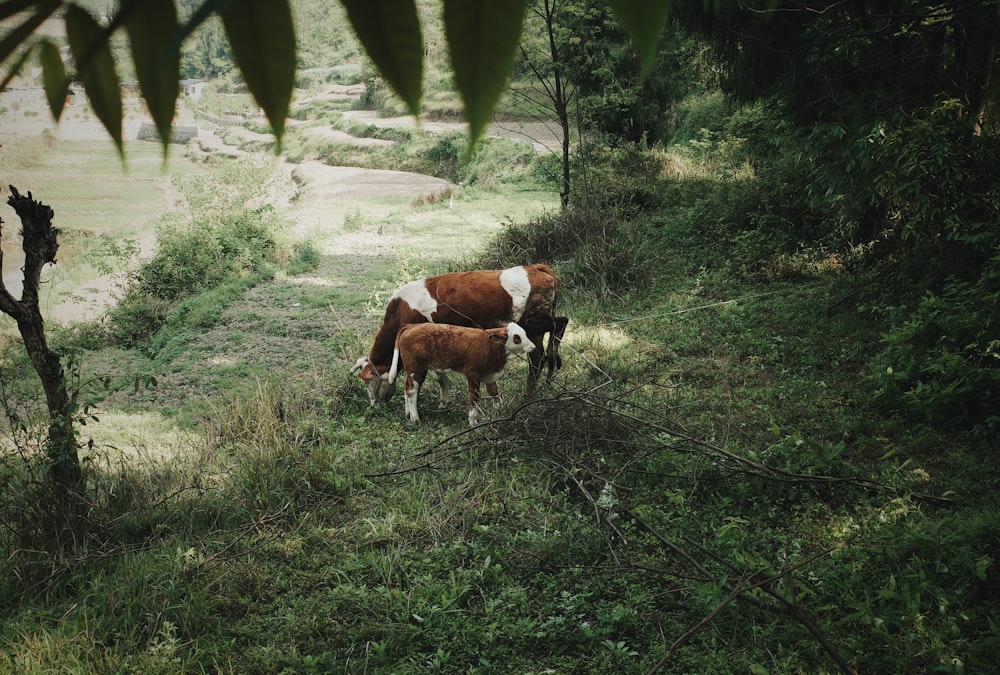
(380, 389)
(517, 340)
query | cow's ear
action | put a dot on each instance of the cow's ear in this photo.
(359, 364)
(502, 339)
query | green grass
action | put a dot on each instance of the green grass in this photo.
(85, 184)
(339, 537)
(707, 465)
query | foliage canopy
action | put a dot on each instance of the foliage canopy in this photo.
(482, 38)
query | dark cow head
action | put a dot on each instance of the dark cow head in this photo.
(380, 389)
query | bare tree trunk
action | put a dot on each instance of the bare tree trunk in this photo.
(559, 94)
(560, 100)
(986, 91)
(40, 245)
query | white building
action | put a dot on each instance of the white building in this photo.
(193, 88)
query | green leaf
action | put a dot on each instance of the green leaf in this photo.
(96, 68)
(12, 7)
(54, 77)
(15, 69)
(389, 30)
(151, 33)
(482, 38)
(262, 37)
(643, 20)
(19, 35)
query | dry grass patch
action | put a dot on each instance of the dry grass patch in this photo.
(137, 439)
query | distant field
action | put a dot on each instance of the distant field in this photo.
(95, 193)
(92, 192)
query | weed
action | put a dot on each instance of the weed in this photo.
(306, 258)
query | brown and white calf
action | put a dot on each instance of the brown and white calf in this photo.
(481, 299)
(478, 354)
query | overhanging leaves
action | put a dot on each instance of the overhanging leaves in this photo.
(19, 35)
(54, 77)
(483, 36)
(643, 20)
(157, 61)
(12, 7)
(96, 69)
(390, 33)
(262, 37)
(15, 69)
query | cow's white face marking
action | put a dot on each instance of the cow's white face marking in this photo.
(517, 340)
(416, 295)
(515, 282)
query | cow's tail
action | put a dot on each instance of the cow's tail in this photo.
(394, 368)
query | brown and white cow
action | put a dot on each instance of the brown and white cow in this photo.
(478, 354)
(481, 299)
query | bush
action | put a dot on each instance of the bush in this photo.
(306, 259)
(597, 250)
(500, 161)
(189, 261)
(135, 318)
(942, 364)
(377, 95)
(185, 262)
(444, 156)
(614, 259)
(938, 185)
(615, 177)
(247, 241)
(698, 112)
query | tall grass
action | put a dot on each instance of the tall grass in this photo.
(596, 250)
(704, 487)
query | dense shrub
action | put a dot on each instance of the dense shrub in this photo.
(596, 250)
(500, 162)
(623, 176)
(703, 110)
(190, 260)
(761, 127)
(941, 363)
(938, 186)
(134, 319)
(185, 262)
(305, 259)
(444, 156)
(377, 95)
(915, 197)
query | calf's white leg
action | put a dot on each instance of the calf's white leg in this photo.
(411, 392)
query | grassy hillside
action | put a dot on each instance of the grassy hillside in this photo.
(705, 486)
